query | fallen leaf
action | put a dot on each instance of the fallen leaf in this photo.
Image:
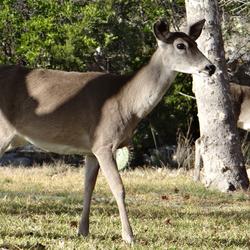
(164, 197)
(167, 221)
(73, 224)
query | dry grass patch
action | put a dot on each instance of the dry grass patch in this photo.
(40, 209)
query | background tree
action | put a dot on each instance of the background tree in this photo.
(218, 147)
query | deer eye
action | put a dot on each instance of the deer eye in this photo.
(181, 46)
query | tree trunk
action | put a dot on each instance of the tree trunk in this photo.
(218, 148)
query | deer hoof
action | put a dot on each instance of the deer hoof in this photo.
(128, 239)
(83, 231)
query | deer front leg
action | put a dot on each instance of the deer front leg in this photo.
(91, 172)
(108, 165)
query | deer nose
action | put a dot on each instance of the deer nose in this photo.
(210, 68)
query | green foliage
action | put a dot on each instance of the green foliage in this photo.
(114, 36)
(66, 34)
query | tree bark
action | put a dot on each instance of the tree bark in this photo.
(218, 148)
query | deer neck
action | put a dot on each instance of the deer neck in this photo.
(148, 86)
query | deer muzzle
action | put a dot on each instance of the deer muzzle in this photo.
(210, 68)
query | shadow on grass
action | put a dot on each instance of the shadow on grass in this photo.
(37, 235)
(227, 211)
(208, 242)
(28, 203)
(37, 246)
(41, 207)
(233, 242)
(217, 242)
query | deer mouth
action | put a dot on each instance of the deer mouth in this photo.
(208, 70)
(204, 73)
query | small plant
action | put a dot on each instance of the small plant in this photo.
(180, 155)
(123, 157)
(185, 152)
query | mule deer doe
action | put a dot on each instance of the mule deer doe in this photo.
(94, 113)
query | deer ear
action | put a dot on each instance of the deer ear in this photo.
(161, 29)
(195, 29)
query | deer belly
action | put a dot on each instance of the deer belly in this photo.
(244, 125)
(244, 117)
(244, 121)
(58, 148)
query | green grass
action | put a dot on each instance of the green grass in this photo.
(40, 209)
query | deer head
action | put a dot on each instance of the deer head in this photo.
(179, 51)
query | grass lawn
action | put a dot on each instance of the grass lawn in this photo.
(40, 209)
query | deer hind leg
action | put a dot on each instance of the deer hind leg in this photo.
(109, 168)
(91, 172)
